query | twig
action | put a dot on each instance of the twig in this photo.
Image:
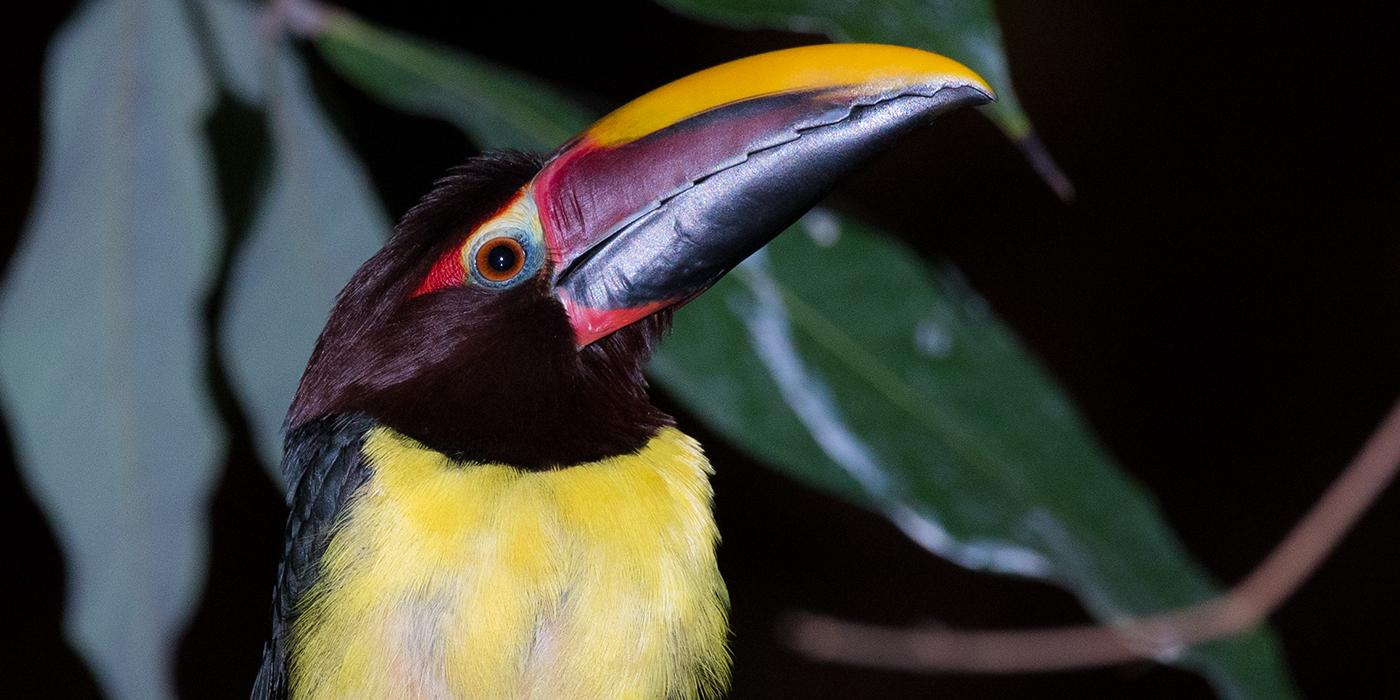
(296, 17)
(1162, 637)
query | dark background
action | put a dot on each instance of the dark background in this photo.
(1221, 301)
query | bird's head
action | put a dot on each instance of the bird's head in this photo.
(510, 316)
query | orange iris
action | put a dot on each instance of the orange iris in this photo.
(500, 260)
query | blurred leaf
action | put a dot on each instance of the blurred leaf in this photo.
(100, 348)
(497, 107)
(903, 392)
(319, 220)
(965, 30)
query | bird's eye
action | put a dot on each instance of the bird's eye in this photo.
(501, 261)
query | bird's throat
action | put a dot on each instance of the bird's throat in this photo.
(485, 581)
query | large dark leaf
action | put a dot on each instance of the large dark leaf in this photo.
(496, 106)
(904, 393)
(100, 333)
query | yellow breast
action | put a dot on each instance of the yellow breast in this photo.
(450, 580)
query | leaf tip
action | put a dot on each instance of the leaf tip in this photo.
(1045, 166)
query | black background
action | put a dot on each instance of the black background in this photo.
(1221, 301)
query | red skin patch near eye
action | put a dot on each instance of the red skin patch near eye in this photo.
(446, 272)
(449, 270)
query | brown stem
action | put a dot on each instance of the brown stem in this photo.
(1163, 636)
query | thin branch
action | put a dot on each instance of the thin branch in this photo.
(1162, 637)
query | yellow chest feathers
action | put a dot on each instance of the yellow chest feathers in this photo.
(482, 581)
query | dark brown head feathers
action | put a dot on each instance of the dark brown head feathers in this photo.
(480, 374)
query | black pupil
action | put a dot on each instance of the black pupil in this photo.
(502, 258)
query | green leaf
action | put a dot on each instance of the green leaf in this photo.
(965, 30)
(903, 392)
(496, 106)
(318, 221)
(100, 334)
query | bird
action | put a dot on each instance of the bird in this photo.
(484, 502)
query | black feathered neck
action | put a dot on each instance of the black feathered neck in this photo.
(481, 375)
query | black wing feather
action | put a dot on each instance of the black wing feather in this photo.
(324, 465)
